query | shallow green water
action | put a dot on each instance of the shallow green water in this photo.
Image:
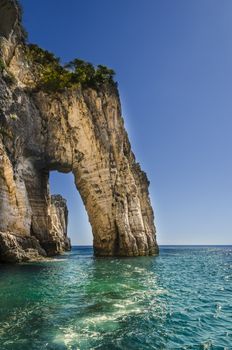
(179, 300)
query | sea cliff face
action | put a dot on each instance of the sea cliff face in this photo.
(78, 130)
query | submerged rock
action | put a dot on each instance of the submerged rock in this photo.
(77, 129)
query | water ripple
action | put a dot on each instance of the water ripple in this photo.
(179, 300)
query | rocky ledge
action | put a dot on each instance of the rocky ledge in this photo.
(75, 128)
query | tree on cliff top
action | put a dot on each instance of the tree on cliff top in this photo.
(55, 77)
(87, 74)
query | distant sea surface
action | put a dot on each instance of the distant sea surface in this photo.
(181, 299)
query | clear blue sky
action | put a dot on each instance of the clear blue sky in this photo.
(173, 60)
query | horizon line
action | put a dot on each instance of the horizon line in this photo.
(172, 245)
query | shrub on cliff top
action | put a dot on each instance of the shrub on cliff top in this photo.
(82, 72)
(38, 55)
(55, 77)
(87, 75)
(51, 76)
(104, 74)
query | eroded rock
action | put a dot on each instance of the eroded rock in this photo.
(77, 130)
(58, 226)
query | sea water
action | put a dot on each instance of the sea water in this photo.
(181, 299)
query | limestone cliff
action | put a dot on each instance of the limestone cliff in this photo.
(59, 224)
(79, 130)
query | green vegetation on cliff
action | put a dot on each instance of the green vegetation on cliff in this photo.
(52, 76)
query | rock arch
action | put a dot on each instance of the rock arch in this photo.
(79, 131)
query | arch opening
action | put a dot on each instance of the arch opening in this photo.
(79, 228)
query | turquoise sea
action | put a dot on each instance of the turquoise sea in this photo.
(181, 299)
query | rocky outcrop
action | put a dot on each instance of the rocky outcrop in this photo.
(58, 226)
(17, 248)
(78, 130)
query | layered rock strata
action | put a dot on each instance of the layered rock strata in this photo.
(77, 130)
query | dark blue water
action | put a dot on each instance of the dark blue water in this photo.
(181, 299)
